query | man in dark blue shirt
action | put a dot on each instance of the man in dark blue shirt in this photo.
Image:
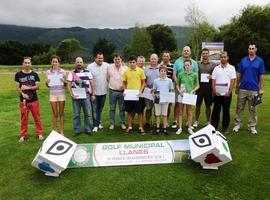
(250, 77)
(27, 82)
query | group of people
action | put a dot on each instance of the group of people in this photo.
(88, 87)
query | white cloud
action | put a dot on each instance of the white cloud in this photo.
(114, 13)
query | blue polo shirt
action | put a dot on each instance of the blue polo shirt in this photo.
(151, 73)
(250, 71)
(163, 85)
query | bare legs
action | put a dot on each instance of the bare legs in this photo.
(164, 119)
(189, 115)
(58, 108)
(207, 112)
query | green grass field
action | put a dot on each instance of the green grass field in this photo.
(246, 177)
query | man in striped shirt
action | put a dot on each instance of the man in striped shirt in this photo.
(78, 79)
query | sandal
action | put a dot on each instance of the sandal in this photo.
(141, 130)
(129, 129)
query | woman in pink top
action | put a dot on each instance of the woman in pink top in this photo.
(56, 78)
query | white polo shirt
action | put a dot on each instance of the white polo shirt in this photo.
(99, 73)
(224, 75)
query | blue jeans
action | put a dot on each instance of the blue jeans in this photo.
(86, 106)
(114, 97)
(98, 106)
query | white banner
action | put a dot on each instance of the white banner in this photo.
(130, 153)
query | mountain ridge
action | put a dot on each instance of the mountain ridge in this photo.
(87, 36)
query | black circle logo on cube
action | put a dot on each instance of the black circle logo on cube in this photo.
(59, 147)
(202, 140)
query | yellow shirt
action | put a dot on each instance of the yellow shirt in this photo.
(133, 77)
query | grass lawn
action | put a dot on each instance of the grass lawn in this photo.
(246, 177)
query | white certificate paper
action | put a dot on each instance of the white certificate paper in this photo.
(204, 78)
(147, 94)
(55, 80)
(167, 97)
(222, 88)
(79, 93)
(179, 98)
(131, 95)
(189, 99)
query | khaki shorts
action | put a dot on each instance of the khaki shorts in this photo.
(57, 97)
(161, 109)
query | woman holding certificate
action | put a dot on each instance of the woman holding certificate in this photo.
(188, 83)
(56, 78)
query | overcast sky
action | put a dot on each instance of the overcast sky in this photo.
(115, 13)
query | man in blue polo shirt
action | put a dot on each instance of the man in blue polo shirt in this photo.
(151, 73)
(250, 77)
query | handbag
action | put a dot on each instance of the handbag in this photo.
(157, 97)
(256, 100)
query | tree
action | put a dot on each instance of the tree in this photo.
(195, 19)
(68, 49)
(174, 55)
(194, 16)
(162, 38)
(38, 48)
(204, 33)
(140, 43)
(12, 52)
(106, 47)
(45, 57)
(252, 25)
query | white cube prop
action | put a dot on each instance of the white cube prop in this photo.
(54, 155)
(209, 147)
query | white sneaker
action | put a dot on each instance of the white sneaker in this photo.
(111, 127)
(22, 139)
(95, 129)
(100, 127)
(174, 124)
(179, 131)
(123, 127)
(40, 137)
(195, 124)
(236, 128)
(253, 130)
(190, 131)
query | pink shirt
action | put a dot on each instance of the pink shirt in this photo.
(115, 77)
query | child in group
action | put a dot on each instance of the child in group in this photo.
(134, 79)
(162, 84)
(188, 83)
(57, 93)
